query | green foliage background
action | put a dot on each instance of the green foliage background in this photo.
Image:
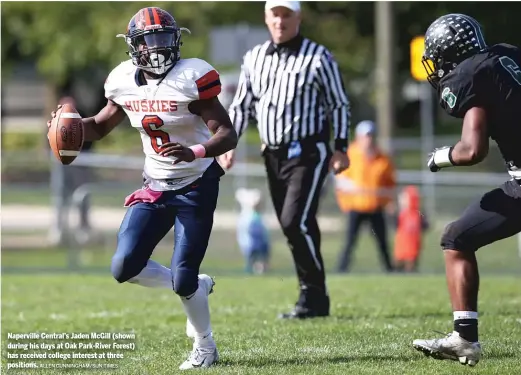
(64, 37)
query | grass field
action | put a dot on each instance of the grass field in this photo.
(374, 321)
(374, 317)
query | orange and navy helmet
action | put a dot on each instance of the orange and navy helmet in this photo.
(153, 40)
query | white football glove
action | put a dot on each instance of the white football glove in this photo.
(440, 158)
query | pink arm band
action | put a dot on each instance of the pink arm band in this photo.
(199, 151)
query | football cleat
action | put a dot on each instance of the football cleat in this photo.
(200, 357)
(451, 347)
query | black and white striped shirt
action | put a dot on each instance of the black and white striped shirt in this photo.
(293, 91)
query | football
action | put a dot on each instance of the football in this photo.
(66, 134)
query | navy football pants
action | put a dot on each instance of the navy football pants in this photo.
(190, 210)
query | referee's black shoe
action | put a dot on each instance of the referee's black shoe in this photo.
(300, 312)
(312, 303)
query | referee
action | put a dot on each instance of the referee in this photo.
(292, 87)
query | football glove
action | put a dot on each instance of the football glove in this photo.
(440, 158)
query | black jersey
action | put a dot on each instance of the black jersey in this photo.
(490, 79)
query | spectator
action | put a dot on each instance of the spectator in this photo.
(252, 234)
(363, 191)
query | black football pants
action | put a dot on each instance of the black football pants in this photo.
(493, 217)
(295, 184)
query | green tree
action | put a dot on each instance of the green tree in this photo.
(65, 37)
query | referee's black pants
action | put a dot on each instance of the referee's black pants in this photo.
(295, 185)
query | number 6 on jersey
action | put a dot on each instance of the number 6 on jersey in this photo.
(151, 125)
(511, 67)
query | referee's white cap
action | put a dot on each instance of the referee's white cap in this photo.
(291, 5)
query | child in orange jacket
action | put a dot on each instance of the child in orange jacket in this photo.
(411, 223)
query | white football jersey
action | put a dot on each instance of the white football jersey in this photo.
(158, 109)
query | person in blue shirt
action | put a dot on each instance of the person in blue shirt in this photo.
(252, 234)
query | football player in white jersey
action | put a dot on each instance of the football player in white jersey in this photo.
(173, 104)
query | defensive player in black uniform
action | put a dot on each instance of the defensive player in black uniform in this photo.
(482, 85)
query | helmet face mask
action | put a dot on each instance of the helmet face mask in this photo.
(154, 52)
(448, 41)
(432, 72)
(153, 40)
(437, 68)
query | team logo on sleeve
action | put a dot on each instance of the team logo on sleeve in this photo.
(449, 97)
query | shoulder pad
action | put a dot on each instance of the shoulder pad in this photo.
(203, 80)
(460, 91)
(117, 78)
